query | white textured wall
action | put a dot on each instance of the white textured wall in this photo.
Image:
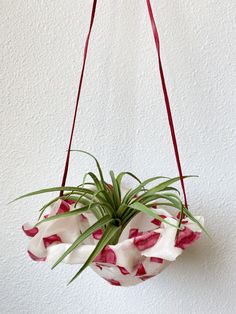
(122, 120)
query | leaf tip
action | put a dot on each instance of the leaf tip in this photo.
(53, 266)
(12, 201)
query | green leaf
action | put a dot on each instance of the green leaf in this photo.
(189, 214)
(171, 189)
(153, 197)
(173, 198)
(116, 190)
(42, 210)
(161, 204)
(110, 231)
(64, 215)
(163, 185)
(95, 179)
(105, 201)
(130, 213)
(121, 210)
(86, 183)
(80, 199)
(99, 224)
(122, 174)
(130, 195)
(109, 199)
(64, 197)
(97, 163)
(142, 208)
(55, 189)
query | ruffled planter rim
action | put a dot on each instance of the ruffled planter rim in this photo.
(145, 248)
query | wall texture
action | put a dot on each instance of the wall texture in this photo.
(122, 120)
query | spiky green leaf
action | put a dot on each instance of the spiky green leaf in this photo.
(97, 163)
(64, 215)
(142, 208)
(131, 194)
(116, 190)
(122, 174)
(107, 236)
(55, 189)
(99, 224)
(189, 214)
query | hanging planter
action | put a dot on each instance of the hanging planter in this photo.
(126, 236)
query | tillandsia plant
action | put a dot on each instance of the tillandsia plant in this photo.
(105, 210)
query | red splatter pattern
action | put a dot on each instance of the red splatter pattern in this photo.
(97, 234)
(156, 260)
(36, 258)
(141, 270)
(63, 208)
(186, 237)
(158, 222)
(134, 233)
(113, 282)
(123, 270)
(106, 256)
(98, 266)
(146, 240)
(51, 239)
(30, 232)
(70, 202)
(143, 278)
(82, 217)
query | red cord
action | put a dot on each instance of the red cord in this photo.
(163, 83)
(78, 96)
(170, 119)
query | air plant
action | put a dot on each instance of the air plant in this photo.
(113, 208)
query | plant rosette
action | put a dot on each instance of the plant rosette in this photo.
(126, 236)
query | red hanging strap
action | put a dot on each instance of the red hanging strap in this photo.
(78, 96)
(170, 119)
(163, 83)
